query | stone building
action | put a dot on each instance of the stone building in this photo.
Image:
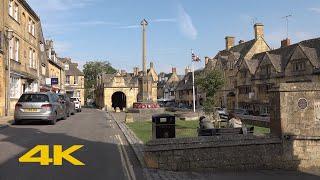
(56, 68)
(184, 89)
(228, 60)
(120, 90)
(20, 53)
(43, 63)
(167, 85)
(74, 81)
(2, 64)
(265, 71)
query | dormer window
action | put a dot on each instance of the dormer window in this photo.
(299, 66)
(66, 67)
(243, 74)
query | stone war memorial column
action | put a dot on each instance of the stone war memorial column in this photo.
(145, 82)
(295, 117)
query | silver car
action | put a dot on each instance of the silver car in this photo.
(39, 106)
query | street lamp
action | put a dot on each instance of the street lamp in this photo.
(8, 37)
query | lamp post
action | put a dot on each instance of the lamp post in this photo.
(8, 38)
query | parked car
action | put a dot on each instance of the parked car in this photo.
(77, 103)
(67, 105)
(39, 106)
(265, 115)
(223, 113)
(240, 111)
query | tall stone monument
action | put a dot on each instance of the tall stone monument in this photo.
(145, 81)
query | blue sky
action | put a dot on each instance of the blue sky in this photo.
(109, 29)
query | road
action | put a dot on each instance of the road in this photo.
(101, 153)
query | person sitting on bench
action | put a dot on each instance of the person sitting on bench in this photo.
(235, 121)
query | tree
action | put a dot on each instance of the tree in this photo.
(210, 82)
(91, 70)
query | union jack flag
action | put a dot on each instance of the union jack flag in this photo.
(195, 58)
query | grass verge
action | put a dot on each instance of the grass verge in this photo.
(143, 130)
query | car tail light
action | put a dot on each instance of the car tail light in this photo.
(18, 107)
(46, 107)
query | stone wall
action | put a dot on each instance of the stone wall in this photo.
(2, 85)
(232, 153)
(214, 153)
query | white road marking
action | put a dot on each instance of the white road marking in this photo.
(125, 159)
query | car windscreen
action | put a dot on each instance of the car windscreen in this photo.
(34, 98)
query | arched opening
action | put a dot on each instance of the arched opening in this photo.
(119, 100)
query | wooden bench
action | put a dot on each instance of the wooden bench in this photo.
(223, 131)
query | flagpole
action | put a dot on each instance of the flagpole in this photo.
(193, 87)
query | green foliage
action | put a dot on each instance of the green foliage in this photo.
(210, 82)
(92, 69)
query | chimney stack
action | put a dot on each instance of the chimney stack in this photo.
(241, 41)
(206, 60)
(286, 42)
(151, 65)
(187, 70)
(258, 30)
(229, 42)
(174, 70)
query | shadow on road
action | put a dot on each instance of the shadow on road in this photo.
(102, 159)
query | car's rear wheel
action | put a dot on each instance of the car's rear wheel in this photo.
(17, 122)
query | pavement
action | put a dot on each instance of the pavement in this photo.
(105, 152)
(5, 121)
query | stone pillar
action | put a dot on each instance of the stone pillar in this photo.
(295, 110)
(144, 24)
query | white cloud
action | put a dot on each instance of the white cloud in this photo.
(58, 5)
(129, 27)
(316, 10)
(186, 24)
(62, 47)
(165, 20)
(302, 35)
(93, 23)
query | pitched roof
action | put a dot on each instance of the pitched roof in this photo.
(280, 57)
(73, 70)
(186, 82)
(243, 48)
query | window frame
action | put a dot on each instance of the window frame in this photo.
(75, 80)
(15, 87)
(16, 49)
(299, 66)
(11, 7)
(16, 12)
(68, 79)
